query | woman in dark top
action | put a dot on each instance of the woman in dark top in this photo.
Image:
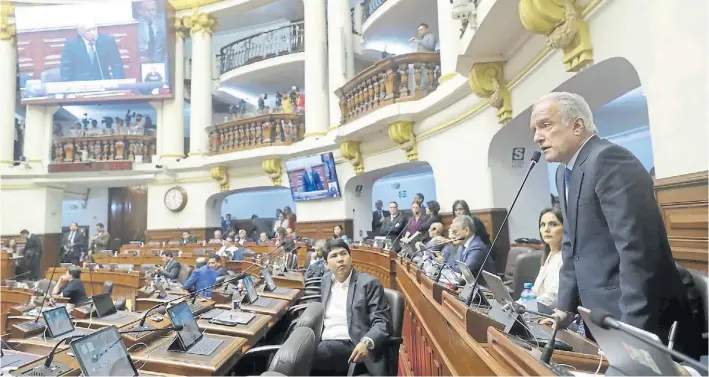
(337, 233)
(432, 209)
(70, 285)
(460, 207)
(413, 228)
(290, 216)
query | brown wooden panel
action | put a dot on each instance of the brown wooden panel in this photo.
(323, 229)
(176, 234)
(683, 202)
(51, 247)
(492, 218)
(127, 214)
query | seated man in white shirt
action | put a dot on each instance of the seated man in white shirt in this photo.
(243, 237)
(227, 250)
(357, 320)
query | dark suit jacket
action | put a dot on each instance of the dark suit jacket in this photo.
(172, 269)
(368, 314)
(76, 64)
(191, 239)
(376, 220)
(616, 256)
(473, 257)
(312, 181)
(33, 248)
(79, 241)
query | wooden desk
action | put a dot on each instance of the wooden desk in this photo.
(254, 331)
(97, 323)
(17, 359)
(7, 264)
(125, 284)
(157, 358)
(294, 280)
(60, 357)
(287, 294)
(276, 308)
(40, 345)
(10, 297)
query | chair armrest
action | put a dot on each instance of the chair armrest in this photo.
(303, 299)
(263, 349)
(313, 279)
(274, 374)
(312, 283)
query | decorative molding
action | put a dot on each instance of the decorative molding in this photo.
(562, 22)
(180, 28)
(402, 133)
(221, 175)
(446, 76)
(350, 150)
(274, 168)
(191, 4)
(199, 22)
(487, 80)
(7, 26)
(318, 133)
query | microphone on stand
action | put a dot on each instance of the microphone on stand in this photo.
(548, 350)
(604, 320)
(534, 160)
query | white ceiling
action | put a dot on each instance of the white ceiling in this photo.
(237, 18)
(269, 79)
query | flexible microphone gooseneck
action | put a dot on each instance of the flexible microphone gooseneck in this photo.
(534, 160)
(548, 350)
(606, 321)
(18, 275)
(44, 298)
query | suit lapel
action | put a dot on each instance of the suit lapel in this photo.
(561, 187)
(575, 182)
(350, 296)
(326, 286)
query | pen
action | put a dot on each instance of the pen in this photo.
(671, 337)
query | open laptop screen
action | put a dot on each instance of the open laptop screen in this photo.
(180, 314)
(103, 354)
(269, 280)
(251, 294)
(58, 321)
(104, 304)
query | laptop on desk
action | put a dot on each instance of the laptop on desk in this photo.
(103, 354)
(251, 297)
(105, 308)
(59, 325)
(190, 338)
(271, 285)
(629, 356)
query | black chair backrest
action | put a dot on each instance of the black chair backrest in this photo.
(526, 270)
(312, 317)
(701, 281)
(396, 305)
(295, 357)
(108, 287)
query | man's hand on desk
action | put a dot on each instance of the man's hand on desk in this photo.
(564, 319)
(360, 353)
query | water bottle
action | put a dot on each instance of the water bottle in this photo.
(528, 299)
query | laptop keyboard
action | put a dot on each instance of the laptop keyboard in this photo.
(263, 301)
(233, 318)
(212, 314)
(114, 316)
(205, 346)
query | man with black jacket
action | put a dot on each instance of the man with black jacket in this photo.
(32, 253)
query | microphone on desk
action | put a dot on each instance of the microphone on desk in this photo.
(50, 357)
(606, 321)
(18, 275)
(534, 160)
(173, 327)
(548, 350)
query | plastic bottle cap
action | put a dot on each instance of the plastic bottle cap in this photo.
(527, 285)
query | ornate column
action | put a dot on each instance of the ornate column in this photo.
(339, 54)
(316, 68)
(486, 80)
(171, 130)
(200, 26)
(38, 133)
(448, 37)
(8, 86)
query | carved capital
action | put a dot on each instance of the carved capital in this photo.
(274, 168)
(199, 22)
(486, 80)
(402, 133)
(7, 26)
(221, 175)
(180, 28)
(562, 22)
(188, 4)
(350, 150)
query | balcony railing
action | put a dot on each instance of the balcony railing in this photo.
(69, 149)
(399, 78)
(370, 6)
(256, 132)
(282, 41)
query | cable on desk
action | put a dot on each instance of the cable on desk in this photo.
(528, 329)
(599, 363)
(7, 344)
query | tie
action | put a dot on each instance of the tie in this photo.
(151, 40)
(71, 237)
(381, 214)
(459, 253)
(567, 175)
(92, 52)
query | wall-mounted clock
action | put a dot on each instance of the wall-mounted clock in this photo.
(176, 199)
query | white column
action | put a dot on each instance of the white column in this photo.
(201, 92)
(171, 126)
(316, 87)
(349, 39)
(338, 53)
(448, 36)
(8, 88)
(38, 133)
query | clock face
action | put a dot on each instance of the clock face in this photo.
(175, 199)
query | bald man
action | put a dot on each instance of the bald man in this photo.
(435, 241)
(90, 55)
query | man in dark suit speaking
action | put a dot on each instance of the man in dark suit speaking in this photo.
(90, 55)
(311, 180)
(616, 257)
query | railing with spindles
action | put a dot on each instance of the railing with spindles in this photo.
(370, 6)
(396, 79)
(256, 132)
(285, 40)
(69, 149)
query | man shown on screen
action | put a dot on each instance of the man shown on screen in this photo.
(90, 55)
(311, 180)
(151, 32)
(153, 75)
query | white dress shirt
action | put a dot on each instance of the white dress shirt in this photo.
(546, 286)
(570, 165)
(335, 322)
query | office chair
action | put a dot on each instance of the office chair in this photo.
(701, 281)
(526, 271)
(294, 357)
(119, 303)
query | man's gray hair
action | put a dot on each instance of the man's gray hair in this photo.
(465, 221)
(572, 106)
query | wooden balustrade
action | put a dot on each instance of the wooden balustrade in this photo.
(256, 132)
(285, 40)
(399, 78)
(103, 148)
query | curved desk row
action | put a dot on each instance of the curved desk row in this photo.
(441, 336)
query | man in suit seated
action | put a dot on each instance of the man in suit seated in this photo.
(170, 266)
(203, 276)
(311, 180)
(378, 217)
(215, 263)
(90, 55)
(357, 319)
(615, 252)
(243, 237)
(470, 249)
(187, 239)
(32, 253)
